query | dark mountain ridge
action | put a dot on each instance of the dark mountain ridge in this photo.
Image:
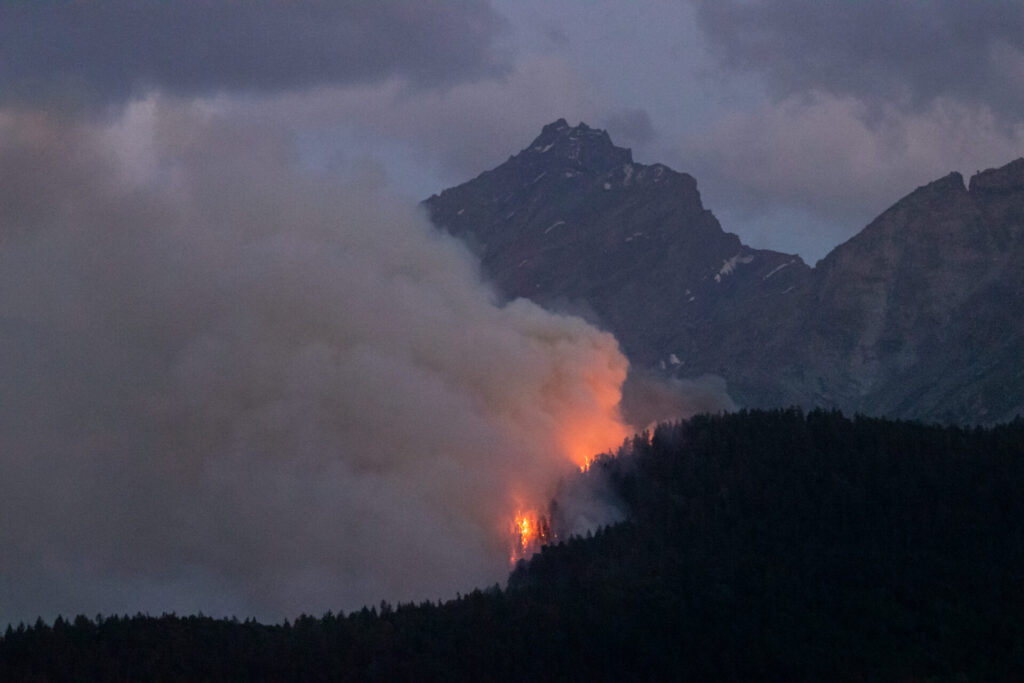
(917, 316)
(924, 305)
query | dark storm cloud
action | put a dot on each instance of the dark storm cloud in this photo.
(877, 50)
(106, 51)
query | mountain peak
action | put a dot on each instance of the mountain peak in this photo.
(950, 183)
(583, 147)
(939, 192)
(916, 316)
(554, 128)
(1008, 177)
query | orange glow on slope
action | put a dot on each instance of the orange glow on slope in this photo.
(529, 532)
(584, 436)
(589, 424)
(581, 398)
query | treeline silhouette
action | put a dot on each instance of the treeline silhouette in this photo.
(766, 545)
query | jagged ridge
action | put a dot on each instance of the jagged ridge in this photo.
(572, 220)
(919, 315)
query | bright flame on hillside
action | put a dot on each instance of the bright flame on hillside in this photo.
(581, 443)
(587, 422)
(530, 531)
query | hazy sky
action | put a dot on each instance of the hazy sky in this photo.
(800, 119)
(240, 374)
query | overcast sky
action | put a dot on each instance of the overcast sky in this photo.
(800, 119)
(239, 372)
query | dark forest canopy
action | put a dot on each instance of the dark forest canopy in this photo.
(758, 546)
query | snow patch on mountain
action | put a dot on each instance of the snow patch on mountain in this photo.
(627, 169)
(778, 268)
(729, 265)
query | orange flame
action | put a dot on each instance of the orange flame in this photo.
(589, 424)
(529, 532)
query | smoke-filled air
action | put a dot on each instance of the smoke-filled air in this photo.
(233, 385)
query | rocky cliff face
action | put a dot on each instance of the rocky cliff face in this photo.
(920, 315)
(573, 222)
(922, 309)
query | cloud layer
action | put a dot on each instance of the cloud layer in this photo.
(910, 53)
(842, 108)
(107, 52)
(830, 156)
(232, 386)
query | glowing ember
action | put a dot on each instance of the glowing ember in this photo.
(526, 530)
(529, 532)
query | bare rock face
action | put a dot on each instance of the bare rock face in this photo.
(923, 307)
(920, 315)
(573, 223)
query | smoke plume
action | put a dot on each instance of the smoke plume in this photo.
(649, 398)
(233, 386)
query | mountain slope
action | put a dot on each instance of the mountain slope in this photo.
(919, 315)
(573, 221)
(923, 308)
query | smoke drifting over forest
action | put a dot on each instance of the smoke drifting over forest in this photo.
(237, 387)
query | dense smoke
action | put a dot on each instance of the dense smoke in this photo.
(649, 398)
(233, 386)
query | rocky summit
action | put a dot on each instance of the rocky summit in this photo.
(921, 315)
(572, 222)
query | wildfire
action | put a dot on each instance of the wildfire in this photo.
(582, 437)
(598, 429)
(583, 441)
(529, 532)
(585, 408)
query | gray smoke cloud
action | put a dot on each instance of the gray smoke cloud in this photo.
(233, 386)
(649, 398)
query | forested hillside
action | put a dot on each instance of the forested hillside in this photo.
(758, 546)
